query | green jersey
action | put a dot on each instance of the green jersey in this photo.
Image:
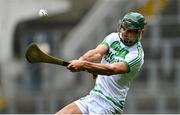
(114, 88)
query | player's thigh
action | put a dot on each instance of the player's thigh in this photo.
(70, 109)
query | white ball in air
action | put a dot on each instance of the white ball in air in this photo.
(43, 13)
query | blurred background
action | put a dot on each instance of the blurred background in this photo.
(72, 28)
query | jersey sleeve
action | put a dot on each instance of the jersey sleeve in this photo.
(134, 59)
(108, 40)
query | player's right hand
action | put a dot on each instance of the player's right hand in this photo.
(75, 65)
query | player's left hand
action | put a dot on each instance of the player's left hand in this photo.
(75, 65)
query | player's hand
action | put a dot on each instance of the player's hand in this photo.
(75, 65)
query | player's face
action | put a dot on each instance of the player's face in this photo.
(129, 34)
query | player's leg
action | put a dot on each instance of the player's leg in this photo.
(70, 109)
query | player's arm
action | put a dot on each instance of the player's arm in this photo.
(96, 54)
(106, 69)
(86, 62)
(97, 68)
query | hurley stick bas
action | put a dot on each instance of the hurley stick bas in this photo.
(34, 55)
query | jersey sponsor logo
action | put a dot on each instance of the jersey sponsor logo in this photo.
(116, 53)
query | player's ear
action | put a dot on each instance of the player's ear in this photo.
(141, 31)
(118, 28)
